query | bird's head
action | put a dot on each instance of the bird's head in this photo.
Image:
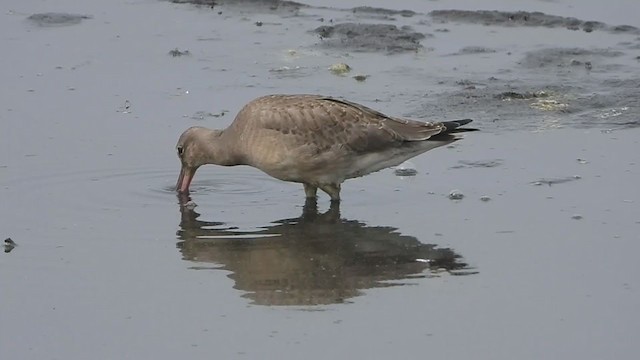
(194, 150)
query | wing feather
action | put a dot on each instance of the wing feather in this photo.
(329, 123)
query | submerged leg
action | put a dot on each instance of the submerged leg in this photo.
(333, 190)
(310, 191)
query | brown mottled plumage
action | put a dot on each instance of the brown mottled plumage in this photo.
(314, 140)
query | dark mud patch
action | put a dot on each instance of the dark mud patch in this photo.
(369, 37)
(473, 50)
(514, 95)
(526, 18)
(517, 107)
(292, 72)
(57, 19)
(177, 52)
(276, 6)
(203, 115)
(491, 163)
(566, 57)
(380, 13)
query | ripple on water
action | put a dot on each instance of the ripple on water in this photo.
(132, 188)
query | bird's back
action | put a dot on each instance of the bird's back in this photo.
(311, 138)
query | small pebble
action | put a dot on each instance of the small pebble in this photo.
(176, 52)
(456, 195)
(582, 161)
(576, 217)
(485, 198)
(361, 78)
(405, 172)
(9, 245)
(190, 205)
(407, 168)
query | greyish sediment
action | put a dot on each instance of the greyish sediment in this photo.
(526, 18)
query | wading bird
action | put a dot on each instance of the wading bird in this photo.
(314, 140)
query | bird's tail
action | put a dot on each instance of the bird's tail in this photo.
(453, 126)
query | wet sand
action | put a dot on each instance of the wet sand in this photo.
(535, 259)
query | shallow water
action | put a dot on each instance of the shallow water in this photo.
(536, 260)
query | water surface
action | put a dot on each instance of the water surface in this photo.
(536, 260)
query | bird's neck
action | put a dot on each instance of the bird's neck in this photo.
(221, 150)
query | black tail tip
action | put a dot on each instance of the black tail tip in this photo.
(453, 125)
(462, 122)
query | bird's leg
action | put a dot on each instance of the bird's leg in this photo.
(333, 214)
(310, 191)
(333, 190)
(310, 209)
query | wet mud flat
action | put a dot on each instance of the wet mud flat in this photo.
(511, 243)
(587, 76)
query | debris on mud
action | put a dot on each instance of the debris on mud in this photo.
(340, 68)
(471, 50)
(554, 181)
(513, 95)
(407, 168)
(285, 68)
(369, 37)
(292, 72)
(176, 52)
(125, 108)
(405, 172)
(549, 105)
(277, 6)
(381, 12)
(456, 195)
(360, 77)
(478, 163)
(542, 100)
(9, 245)
(57, 19)
(211, 3)
(202, 115)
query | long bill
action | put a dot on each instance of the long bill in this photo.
(184, 179)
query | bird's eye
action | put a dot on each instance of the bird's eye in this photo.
(180, 150)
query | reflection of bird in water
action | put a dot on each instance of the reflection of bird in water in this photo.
(317, 258)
